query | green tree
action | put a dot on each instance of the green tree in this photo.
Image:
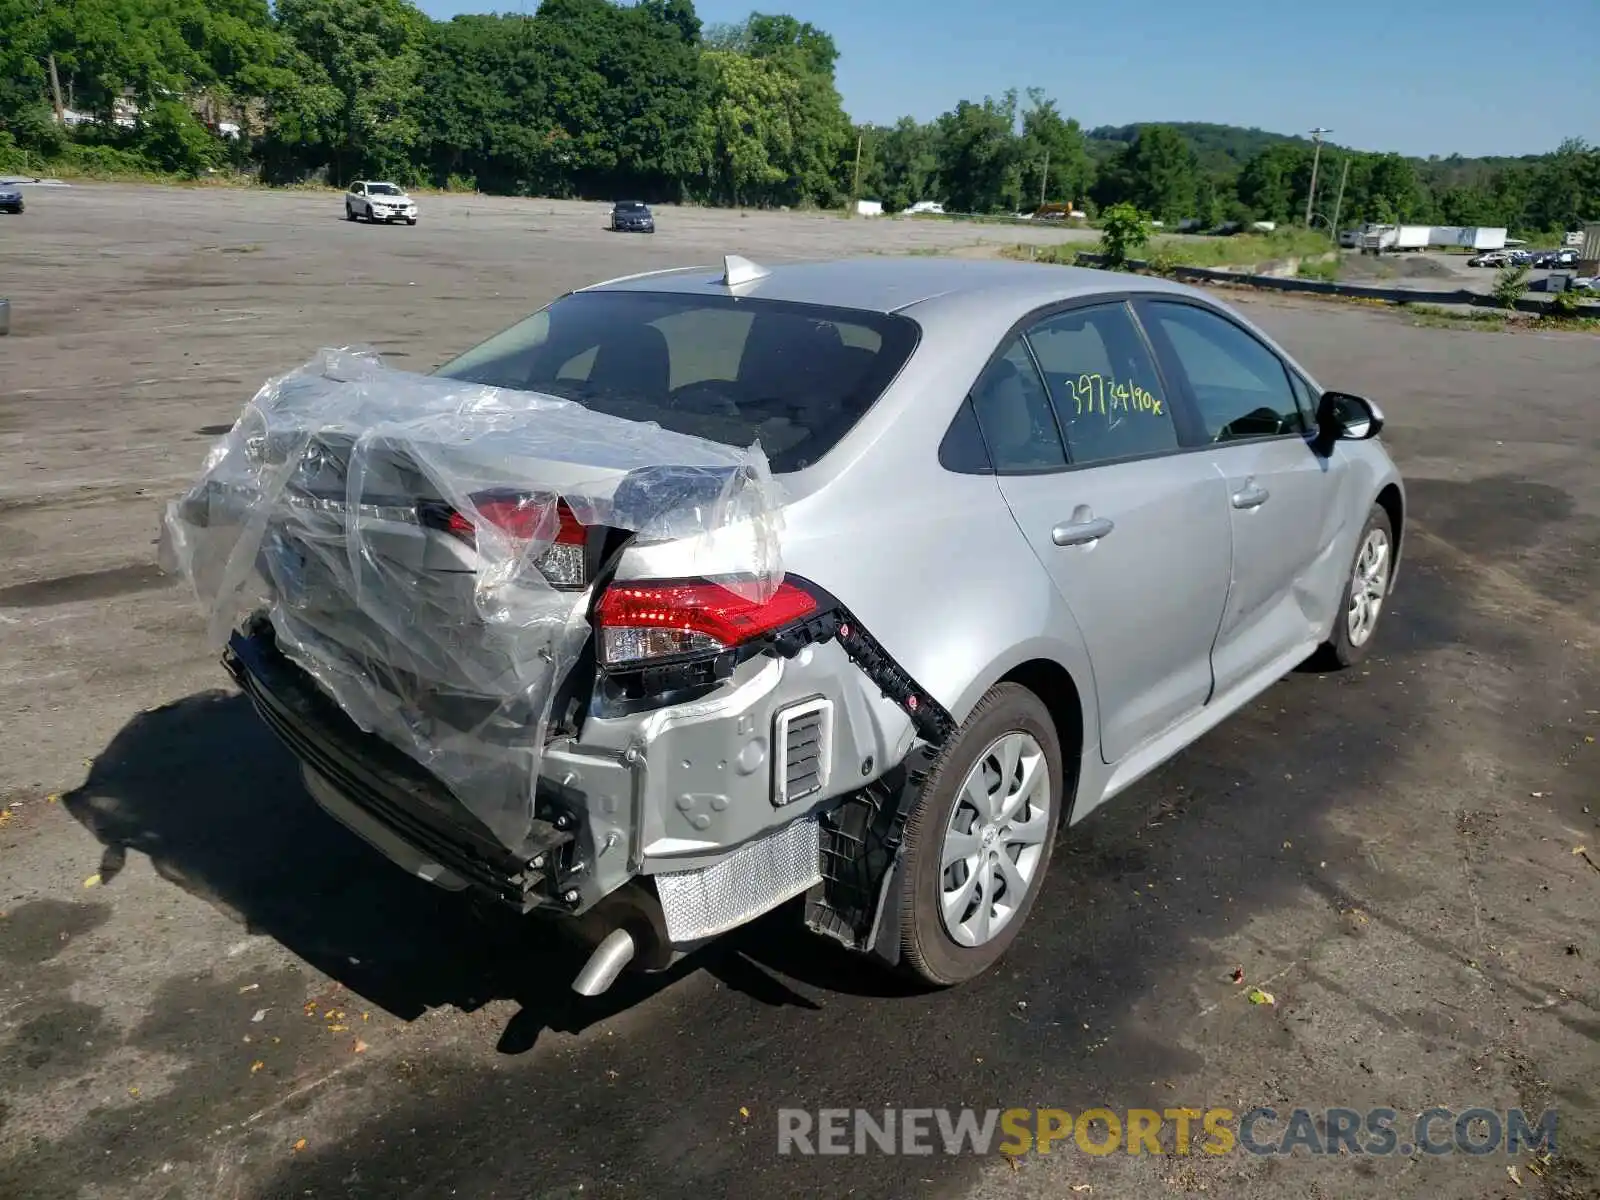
(1565, 189)
(746, 125)
(173, 140)
(1054, 144)
(1124, 230)
(1158, 173)
(1273, 184)
(368, 52)
(1393, 192)
(979, 163)
(820, 158)
(900, 164)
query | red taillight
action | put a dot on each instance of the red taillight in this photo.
(520, 516)
(640, 622)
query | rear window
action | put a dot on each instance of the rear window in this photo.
(795, 377)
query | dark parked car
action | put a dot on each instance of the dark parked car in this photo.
(10, 198)
(632, 216)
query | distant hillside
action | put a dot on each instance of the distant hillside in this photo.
(1220, 148)
(1224, 149)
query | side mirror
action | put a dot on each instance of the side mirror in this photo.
(1343, 417)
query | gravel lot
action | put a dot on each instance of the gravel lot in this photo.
(207, 989)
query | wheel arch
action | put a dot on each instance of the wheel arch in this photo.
(1391, 498)
(1059, 692)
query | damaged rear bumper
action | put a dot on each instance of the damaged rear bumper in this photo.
(676, 824)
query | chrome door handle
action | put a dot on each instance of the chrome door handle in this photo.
(1078, 533)
(1252, 495)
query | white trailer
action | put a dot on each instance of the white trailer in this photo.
(1468, 237)
(1413, 237)
(1375, 239)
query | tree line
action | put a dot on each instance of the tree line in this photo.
(589, 98)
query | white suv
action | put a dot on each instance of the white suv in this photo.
(379, 202)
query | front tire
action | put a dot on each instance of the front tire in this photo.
(979, 840)
(1366, 589)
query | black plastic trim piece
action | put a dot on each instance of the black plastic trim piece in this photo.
(932, 720)
(862, 847)
(383, 781)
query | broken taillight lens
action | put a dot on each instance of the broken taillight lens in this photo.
(520, 515)
(642, 622)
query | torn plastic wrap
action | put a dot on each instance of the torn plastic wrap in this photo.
(419, 546)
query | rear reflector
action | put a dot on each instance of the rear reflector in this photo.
(520, 515)
(641, 622)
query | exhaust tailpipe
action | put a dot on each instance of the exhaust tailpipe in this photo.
(605, 964)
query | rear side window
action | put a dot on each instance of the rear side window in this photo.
(1104, 383)
(1014, 415)
(795, 377)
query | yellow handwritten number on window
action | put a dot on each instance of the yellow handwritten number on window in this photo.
(1095, 393)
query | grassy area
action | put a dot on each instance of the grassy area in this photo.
(1327, 270)
(1498, 321)
(1240, 250)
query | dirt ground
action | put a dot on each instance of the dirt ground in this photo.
(207, 989)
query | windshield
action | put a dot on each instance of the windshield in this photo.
(382, 189)
(630, 206)
(795, 377)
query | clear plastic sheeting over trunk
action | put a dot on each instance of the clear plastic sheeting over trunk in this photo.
(423, 549)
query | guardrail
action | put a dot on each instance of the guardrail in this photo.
(1394, 295)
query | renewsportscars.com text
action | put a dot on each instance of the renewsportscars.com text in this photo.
(1182, 1131)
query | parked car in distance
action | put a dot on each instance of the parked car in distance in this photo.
(632, 216)
(1042, 528)
(11, 198)
(374, 201)
(1491, 258)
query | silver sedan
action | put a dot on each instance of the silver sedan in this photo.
(1042, 528)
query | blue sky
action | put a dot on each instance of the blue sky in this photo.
(1415, 76)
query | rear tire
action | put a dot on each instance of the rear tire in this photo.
(957, 921)
(349, 213)
(1366, 591)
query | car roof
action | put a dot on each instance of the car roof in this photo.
(888, 284)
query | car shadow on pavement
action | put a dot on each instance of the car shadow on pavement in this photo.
(207, 793)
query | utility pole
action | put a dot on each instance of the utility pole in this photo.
(1316, 156)
(55, 89)
(1045, 181)
(1338, 203)
(855, 188)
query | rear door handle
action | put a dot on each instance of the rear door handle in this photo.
(1252, 495)
(1078, 533)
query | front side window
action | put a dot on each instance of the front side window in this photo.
(1304, 399)
(1105, 385)
(795, 377)
(1014, 416)
(1240, 387)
